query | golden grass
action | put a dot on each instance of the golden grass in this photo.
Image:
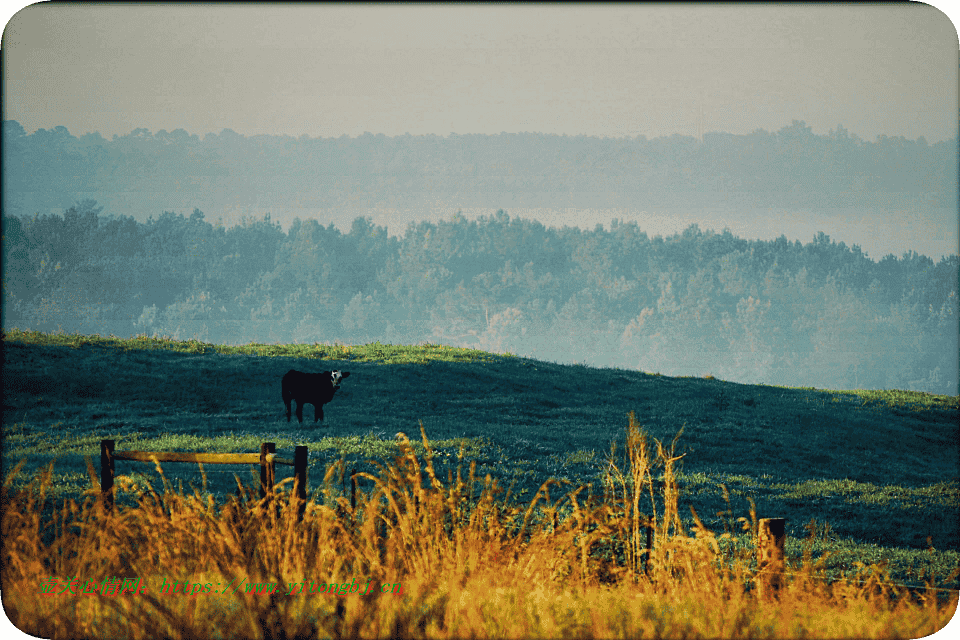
(468, 565)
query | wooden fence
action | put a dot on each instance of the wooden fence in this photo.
(267, 459)
(771, 536)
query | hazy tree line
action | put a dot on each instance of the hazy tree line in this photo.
(818, 314)
(161, 171)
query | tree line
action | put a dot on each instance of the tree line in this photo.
(695, 303)
(50, 169)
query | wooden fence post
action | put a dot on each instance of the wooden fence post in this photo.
(771, 537)
(353, 490)
(300, 479)
(106, 473)
(266, 468)
(646, 559)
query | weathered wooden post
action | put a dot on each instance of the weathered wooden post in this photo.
(266, 468)
(771, 537)
(646, 559)
(300, 479)
(353, 490)
(106, 473)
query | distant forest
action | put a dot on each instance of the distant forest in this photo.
(819, 314)
(228, 174)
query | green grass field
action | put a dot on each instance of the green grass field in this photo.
(873, 475)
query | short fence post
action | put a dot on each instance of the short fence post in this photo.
(353, 490)
(266, 468)
(646, 559)
(300, 479)
(771, 537)
(106, 473)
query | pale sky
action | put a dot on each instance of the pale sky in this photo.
(604, 70)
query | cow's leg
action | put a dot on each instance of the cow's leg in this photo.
(286, 401)
(299, 412)
(318, 414)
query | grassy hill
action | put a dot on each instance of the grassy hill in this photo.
(873, 475)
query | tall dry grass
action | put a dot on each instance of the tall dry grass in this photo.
(469, 565)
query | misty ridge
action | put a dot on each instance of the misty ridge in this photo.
(228, 175)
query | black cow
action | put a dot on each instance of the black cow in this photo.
(310, 388)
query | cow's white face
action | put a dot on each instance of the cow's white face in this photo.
(335, 377)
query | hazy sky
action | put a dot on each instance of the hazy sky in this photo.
(607, 70)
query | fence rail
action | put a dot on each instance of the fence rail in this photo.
(267, 459)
